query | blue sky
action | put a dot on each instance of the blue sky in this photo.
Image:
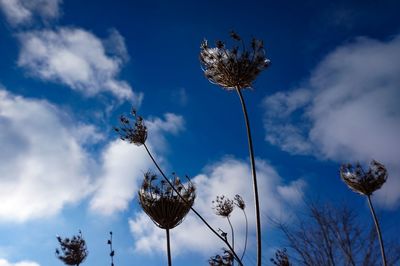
(69, 69)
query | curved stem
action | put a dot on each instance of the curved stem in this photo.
(168, 248)
(253, 172)
(378, 230)
(191, 208)
(247, 230)
(233, 235)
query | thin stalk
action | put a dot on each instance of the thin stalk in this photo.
(378, 230)
(168, 248)
(253, 172)
(233, 235)
(191, 208)
(247, 230)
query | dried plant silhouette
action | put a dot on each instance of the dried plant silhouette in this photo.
(366, 183)
(334, 235)
(281, 258)
(162, 204)
(112, 252)
(73, 251)
(136, 133)
(223, 207)
(236, 69)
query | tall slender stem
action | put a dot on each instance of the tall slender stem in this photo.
(378, 230)
(233, 235)
(168, 248)
(195, 212)
(253, 172)
(247, 230)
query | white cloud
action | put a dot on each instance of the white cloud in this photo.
(348, 111)
(76, 58)
(228, 177)
(20, 12)
(123, 165)
(4, 262)
(40, 159)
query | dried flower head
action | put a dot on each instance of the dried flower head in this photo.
(236, 67)
(72, 251)
(226, 259)
(133, 132)
(363, 182)
(162, 204)
(223, 206)
(281, 258)
(239, 202)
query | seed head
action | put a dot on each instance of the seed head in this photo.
(162, 204)
(223, 206)
(362, 182)
(233, 68)
(239, 202)
(72, 251)
(133, 132)
(226, 259)
(281, 258)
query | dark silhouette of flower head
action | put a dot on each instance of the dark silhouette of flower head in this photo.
(281, 258)
(132, 132)
(362, 182)
(162, 204)
(223, 206)
(233, 68)
(239, 202)
(226, 259)
(72, 251)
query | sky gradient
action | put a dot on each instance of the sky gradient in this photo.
(69, 69)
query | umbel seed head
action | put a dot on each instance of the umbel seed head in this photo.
(223, 206)
(362, 182)
(133, 132)
(73, 251)
(162, 204)
(233, 68)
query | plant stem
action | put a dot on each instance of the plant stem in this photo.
(233, 235)
(247, 230)
(168, 248)
(253, 172)
(195, 212)
(378, 230)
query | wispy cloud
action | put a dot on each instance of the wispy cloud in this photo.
(76, 58)
(40, 159)
(229, 177)
(23, 12)
(348, 110)
(4, 262)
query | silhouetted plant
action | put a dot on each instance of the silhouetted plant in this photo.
(334, 235)
(236, 69)
(136, 132)
(73, 251)
(162, 204)
(226, 259)
(366, 183)
(281, 258)
(112, 252)
(224, 207)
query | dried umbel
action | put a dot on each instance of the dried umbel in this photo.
(223, 206)
(234, 68)
(162, 204)
(363, 182)
(239, 202)
(73, 250)
(226, 259)
(133, 132)
(281, 258)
